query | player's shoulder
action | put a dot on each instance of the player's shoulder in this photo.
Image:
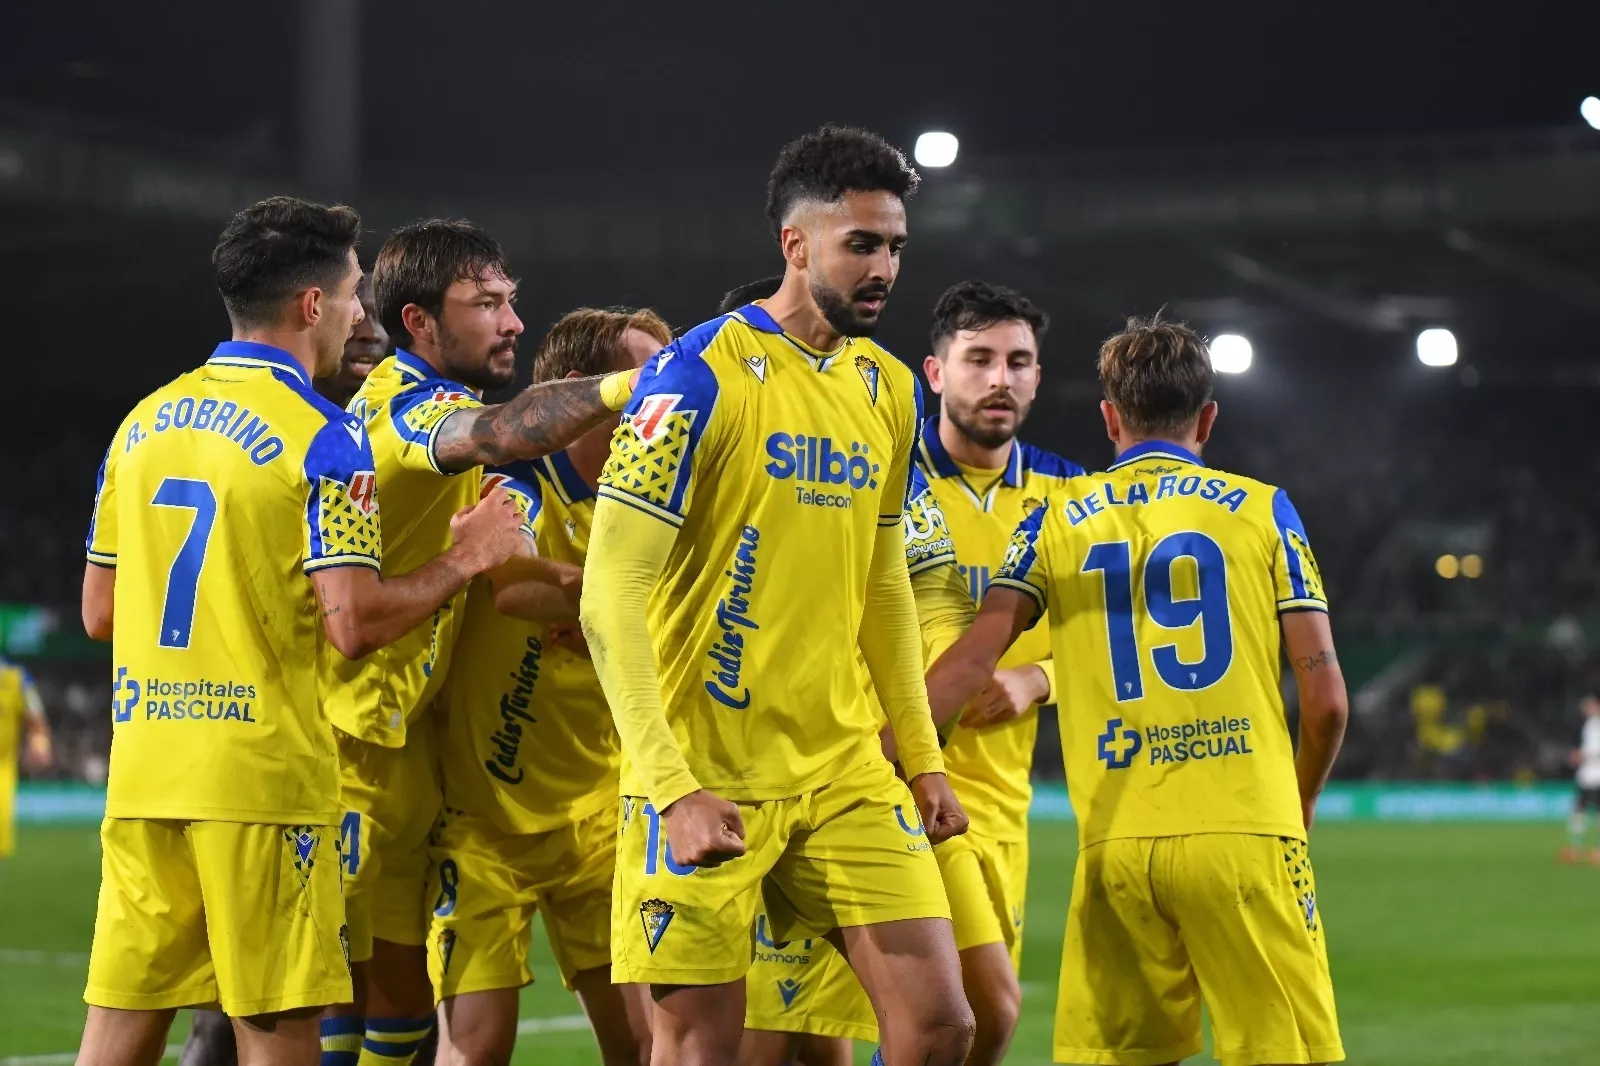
(694, 368)
(1039, 462)
(404, 380)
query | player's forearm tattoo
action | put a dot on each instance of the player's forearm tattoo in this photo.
(543, 418)
(1310, 663)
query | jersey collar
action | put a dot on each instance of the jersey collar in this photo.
(413, 366)
(939, 463)
(259, 357)
(1158, 448)
(755, 316)
(558, 467)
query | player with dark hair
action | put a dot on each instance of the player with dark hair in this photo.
(749, 293)
(445, 293)
(985, 369)
(778, 440)
(530, 757)
(221, 493)
(1171, 590)
(367, 347)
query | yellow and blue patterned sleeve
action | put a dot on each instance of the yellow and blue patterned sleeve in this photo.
(927, 535)
(418, 413)
(1295, 574)
(341, 512)
(101, 544)
(523, 485)
(663, 439)
(1024, 566)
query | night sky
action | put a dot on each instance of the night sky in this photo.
(508, 86)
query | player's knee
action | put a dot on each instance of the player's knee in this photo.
(1002, 1010)
(948, 1037)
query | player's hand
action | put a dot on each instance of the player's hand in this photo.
(704, 829)
(1008, 694)
(942, 815)
(37, 756)
(489, 533)
(569, 635)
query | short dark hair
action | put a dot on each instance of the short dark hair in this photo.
(832, 161)
(978, 305)
(588, 340)
(749, 292)
(419, 262)
(1157, 374)
(276, 248)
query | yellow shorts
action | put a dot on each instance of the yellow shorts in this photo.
(850, 853)
(488, 883)
(1159, 923)
(391, 799)
(987, 882)
(195, 913)
(805, 986)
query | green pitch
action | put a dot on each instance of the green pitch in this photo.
(1451, 944)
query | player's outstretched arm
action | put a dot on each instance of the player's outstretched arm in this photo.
(1324, 705)
(543, 418)
(963, 671)
(363, 611)
(99, 600)
(538, 589)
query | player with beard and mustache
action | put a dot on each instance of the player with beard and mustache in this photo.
(747, 545)
(985, 370)
(445, 293)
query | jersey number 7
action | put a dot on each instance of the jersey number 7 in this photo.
(183, 579)
(1210, 609)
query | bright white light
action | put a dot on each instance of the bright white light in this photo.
(936, 149)
(1230, 354)
(1436, 347)
(1590, 110)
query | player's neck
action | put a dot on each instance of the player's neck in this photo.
(792, 308)
(1187, 442)
(588, 456)
(296, 343)
(968, 452)
(430, 355)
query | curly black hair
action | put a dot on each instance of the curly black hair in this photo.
(978, 305)
(832, 161)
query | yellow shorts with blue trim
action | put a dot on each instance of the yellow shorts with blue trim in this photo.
(488, 883)
(1158, 924)
(805, 986)
(196, 913)
(852, 852)
(987, 882)
(391, 798)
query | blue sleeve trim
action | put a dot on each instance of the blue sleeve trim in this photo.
(94, 515)
(1287, 520)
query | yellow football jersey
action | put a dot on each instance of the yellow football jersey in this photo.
(989, 768)
(17, 696)
(404, 402)
(778, 464)
(528, 737)
(1163, 581)
(220, 490)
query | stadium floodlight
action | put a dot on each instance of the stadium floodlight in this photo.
(1590, 110)
(1230, 353)
(936, 149)
(1471, 566)
(1436, 347)
(1447, 567)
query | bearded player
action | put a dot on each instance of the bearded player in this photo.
(1171, 589)
(446, 294)
(747, 540)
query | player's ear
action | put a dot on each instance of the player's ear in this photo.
(308, 305)
(792, 239)
(418, 322)
(933, 366)
(1113, 421)
(1207, 419)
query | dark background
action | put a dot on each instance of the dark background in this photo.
(1326, 180)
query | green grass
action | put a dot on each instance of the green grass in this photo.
(1452, 945)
